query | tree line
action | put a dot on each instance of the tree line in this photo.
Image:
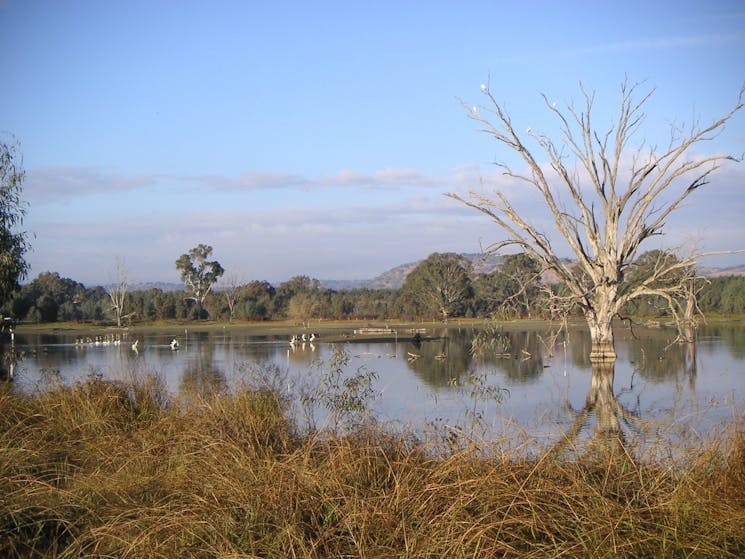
(441, 287)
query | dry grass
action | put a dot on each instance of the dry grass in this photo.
(104, 469)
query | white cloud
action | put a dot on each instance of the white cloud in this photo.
(54, 184)
(252, 180)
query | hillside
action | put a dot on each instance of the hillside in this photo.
(394, 278)
(482, 264)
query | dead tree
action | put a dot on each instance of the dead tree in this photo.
(232, 291)
(117, 291)
(606, 200)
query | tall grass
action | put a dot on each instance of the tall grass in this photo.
(114, 469)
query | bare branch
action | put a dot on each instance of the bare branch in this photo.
(605, 226)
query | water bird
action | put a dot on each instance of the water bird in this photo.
(174, 344)
(135, 346)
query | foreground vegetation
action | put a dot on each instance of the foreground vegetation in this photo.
(111, 469)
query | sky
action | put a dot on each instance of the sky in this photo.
(319, 138)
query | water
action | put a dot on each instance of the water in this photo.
(528, 382)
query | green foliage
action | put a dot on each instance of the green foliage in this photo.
(255, 301)
(514, 289)
(724, 295)
(296, 286)
(347, 398)
(13, 243)
(439, 286)
(198, 273)
(656, 270)
(50, 298)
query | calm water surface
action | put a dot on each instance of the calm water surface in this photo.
(545, 386)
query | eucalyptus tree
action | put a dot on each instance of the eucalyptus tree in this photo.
(514, 288)
(256, 300)
(198, 273)
(13, 243)
(605, 199)
(286, 291)
(49, 298)
(440, 284)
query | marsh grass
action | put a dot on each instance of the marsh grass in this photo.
(121, 469)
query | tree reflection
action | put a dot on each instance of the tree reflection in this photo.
(734, 340)
(440, 361)
(690, 356)
(523, 360)
(201, 377)
(609, 417)
(7, 363)
(657, 356)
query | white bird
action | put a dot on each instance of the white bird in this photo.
(483, 87)
(529, 130)
(312, 337)
(174, 344)
(135, 346)
(293, 340)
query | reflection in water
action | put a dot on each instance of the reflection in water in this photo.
(523, 361)
(201, 377)
(442, 360)
(602, 406)
(448, 359)
(732, 338)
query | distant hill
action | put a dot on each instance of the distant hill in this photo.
(162, 285)
(482, 264)
(341, 285)
(717, 272)
(394, 278)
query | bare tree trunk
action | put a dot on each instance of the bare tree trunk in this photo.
(599, 318)
(601, 334)
(117, 291)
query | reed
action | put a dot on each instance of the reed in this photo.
(122, 469)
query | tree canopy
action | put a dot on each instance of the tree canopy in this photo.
(198, 273)
(13, 243)
(439, 285)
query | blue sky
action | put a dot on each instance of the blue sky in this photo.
(318, 138)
